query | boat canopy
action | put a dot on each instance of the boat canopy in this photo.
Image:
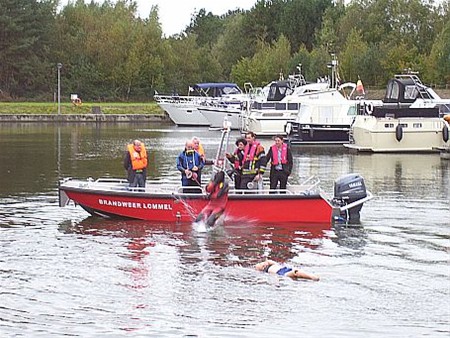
(217, 89)
(405, 89)
(279, 89)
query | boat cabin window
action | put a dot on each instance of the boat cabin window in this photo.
(393, 91)
(404, 125)
(231, 90)
(411, 92)
(417, 125)
(389, 125)
(352, 111)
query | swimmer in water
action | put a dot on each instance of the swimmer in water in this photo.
(275, 268)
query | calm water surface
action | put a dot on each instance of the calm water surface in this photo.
(64, 273)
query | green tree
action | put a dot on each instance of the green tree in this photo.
(351, 59)
(26, 46)
(298, 20)
(206, 26)
(438, 62)
(266, 65)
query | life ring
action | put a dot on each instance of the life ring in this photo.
(369, 108)
(445, 133)
(399, 132)
(77, 101)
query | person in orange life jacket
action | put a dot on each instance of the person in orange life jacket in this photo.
(135, 163)
(237, 160)
(190, 164)
(217, 189)
(254, 162)
(198, 147)
(281, 157)
(273, 267)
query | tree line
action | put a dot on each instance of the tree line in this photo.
(108, 52)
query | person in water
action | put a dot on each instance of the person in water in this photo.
(217, 189)
(275, 268)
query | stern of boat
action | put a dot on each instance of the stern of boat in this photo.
(350, 194)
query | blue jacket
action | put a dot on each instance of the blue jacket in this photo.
(188, 161)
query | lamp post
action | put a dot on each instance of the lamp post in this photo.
(59, 66)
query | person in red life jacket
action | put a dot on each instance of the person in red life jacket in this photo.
(254, 162)
(135, 163)
(217, 189)
(236, 160)
(190, 164)
(280, 156)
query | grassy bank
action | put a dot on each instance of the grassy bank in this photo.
(85, 108)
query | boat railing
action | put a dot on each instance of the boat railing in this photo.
(311, 183)
(263, 191)
(184, 99)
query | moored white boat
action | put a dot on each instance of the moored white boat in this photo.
(409, 119)
(275, 91)
(183, 110)
(270, 118)
(325, 120)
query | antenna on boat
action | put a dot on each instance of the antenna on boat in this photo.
(219, 164)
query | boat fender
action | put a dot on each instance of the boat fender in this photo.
(445, 134)
(288, 128)
(399, 132)
(369, 108)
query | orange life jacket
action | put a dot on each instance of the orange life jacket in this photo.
(283, 154)
(138, 159)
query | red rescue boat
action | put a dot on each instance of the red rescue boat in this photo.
(166, 202)
(303, 203)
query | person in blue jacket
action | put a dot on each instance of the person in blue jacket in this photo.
(190, 164)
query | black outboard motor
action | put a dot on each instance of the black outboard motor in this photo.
(348, 189)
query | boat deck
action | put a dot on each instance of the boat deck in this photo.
(309, 187)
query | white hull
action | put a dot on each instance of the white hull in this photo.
(266, 120)
(379, 134)
(268, 125)
(184, 114)
(216, 115)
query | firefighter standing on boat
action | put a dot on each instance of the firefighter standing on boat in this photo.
(254, 163)
(135, 163)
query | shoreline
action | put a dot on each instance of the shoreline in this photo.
(107, 118)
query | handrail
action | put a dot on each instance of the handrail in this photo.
(357, 202)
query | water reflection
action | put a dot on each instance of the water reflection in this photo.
(353, 237)
(225, 245)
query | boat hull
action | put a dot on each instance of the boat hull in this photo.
(371, 134)
(215, 116)
(324, 134)
(184, 114)
(179, 207)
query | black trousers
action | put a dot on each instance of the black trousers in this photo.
(278, 176)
